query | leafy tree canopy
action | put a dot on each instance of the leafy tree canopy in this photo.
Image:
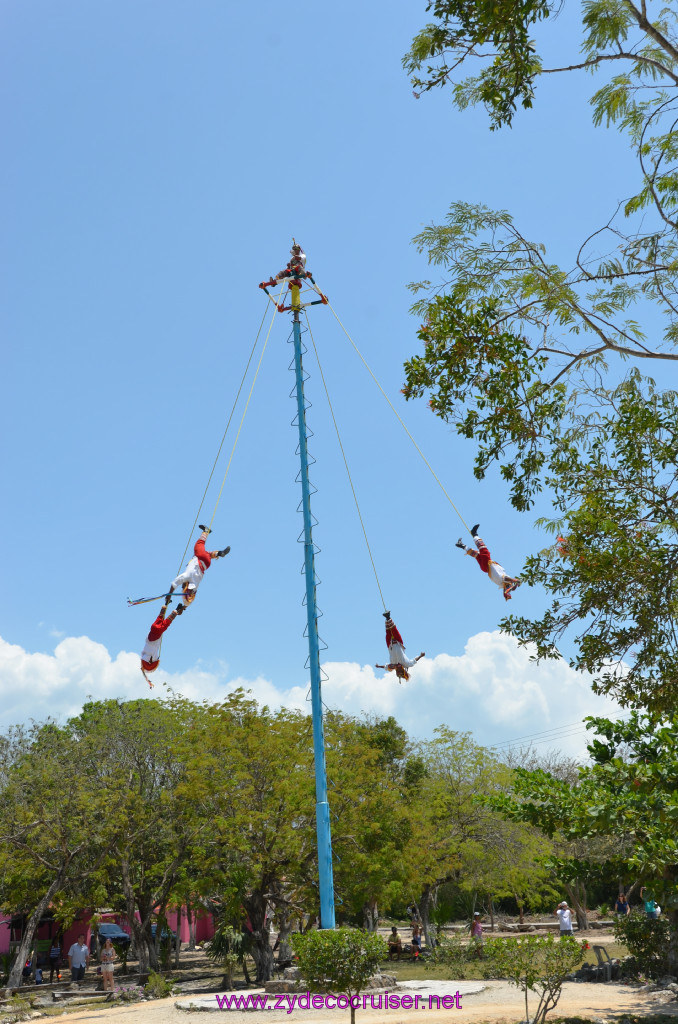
(517, 349)
(627, 796)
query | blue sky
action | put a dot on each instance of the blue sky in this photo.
(159, 157)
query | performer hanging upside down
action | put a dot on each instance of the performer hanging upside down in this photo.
(398, 661)
(190, 578)
(494, 570)
(150, 656)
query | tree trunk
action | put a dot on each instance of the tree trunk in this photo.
(491, 914)
(261, 951)
(424, 905)
(177, 941)
(141, 929)
(671, 875)
(370, 916)
(285, 951)
(26, 943)
(576, 890)
(191, 925)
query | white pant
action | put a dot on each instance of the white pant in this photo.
(397, 656)
(192, 574)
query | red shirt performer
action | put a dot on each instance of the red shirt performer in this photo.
(494, 570)
(189, 580)
(398, 661)
(150, 656)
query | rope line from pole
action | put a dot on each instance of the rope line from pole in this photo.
(223, 438)
(343, 455)
(399, 418)
(244, 412)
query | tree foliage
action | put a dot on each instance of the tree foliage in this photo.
(518, 350)
(623, 808)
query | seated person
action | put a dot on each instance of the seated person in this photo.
(395, 944)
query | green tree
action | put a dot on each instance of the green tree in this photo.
(259, 782)
(460, 838)
(518, 350)
(342, 960)
(626, 798)
(146, 759)
(372, 828)
(57, 825)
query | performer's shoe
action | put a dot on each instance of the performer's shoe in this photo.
(474, 529)
(180, 609)
(205, 529)
(222, 554)
(387, 615)
(460, 544)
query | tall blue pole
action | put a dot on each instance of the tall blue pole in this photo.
(322, 809)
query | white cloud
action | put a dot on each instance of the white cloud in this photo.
(492, 690)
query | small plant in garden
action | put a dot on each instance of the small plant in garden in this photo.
(158, 987)
(454, 953)
(130, 993)
(17, 1009)
(536, 964)
(6, 961)
(342, 961)
(227, 948)
(648, 940)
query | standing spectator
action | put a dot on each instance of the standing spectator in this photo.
(652, 909)
(107, 957)
(54, 958)
(416, 941)
(621, 907)
(477, 934)
(78, 958)
(564, 915)
(395, 943)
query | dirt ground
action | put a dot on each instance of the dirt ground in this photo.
(498, 1001)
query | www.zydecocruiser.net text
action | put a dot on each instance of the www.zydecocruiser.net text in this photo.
(310, 1001)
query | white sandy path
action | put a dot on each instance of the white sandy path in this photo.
(498, 1001)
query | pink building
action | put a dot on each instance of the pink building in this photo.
(11, 928)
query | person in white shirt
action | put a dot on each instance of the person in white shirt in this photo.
(78, 958)
(564, 915)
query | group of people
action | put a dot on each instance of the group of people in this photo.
(189, 580)
(395, 943)
(78, 961)
(398, 661)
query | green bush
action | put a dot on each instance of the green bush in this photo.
(158, 987)
(342, 961)
(647, 940)
(6, 961)
(456, 954)
(534, 963)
